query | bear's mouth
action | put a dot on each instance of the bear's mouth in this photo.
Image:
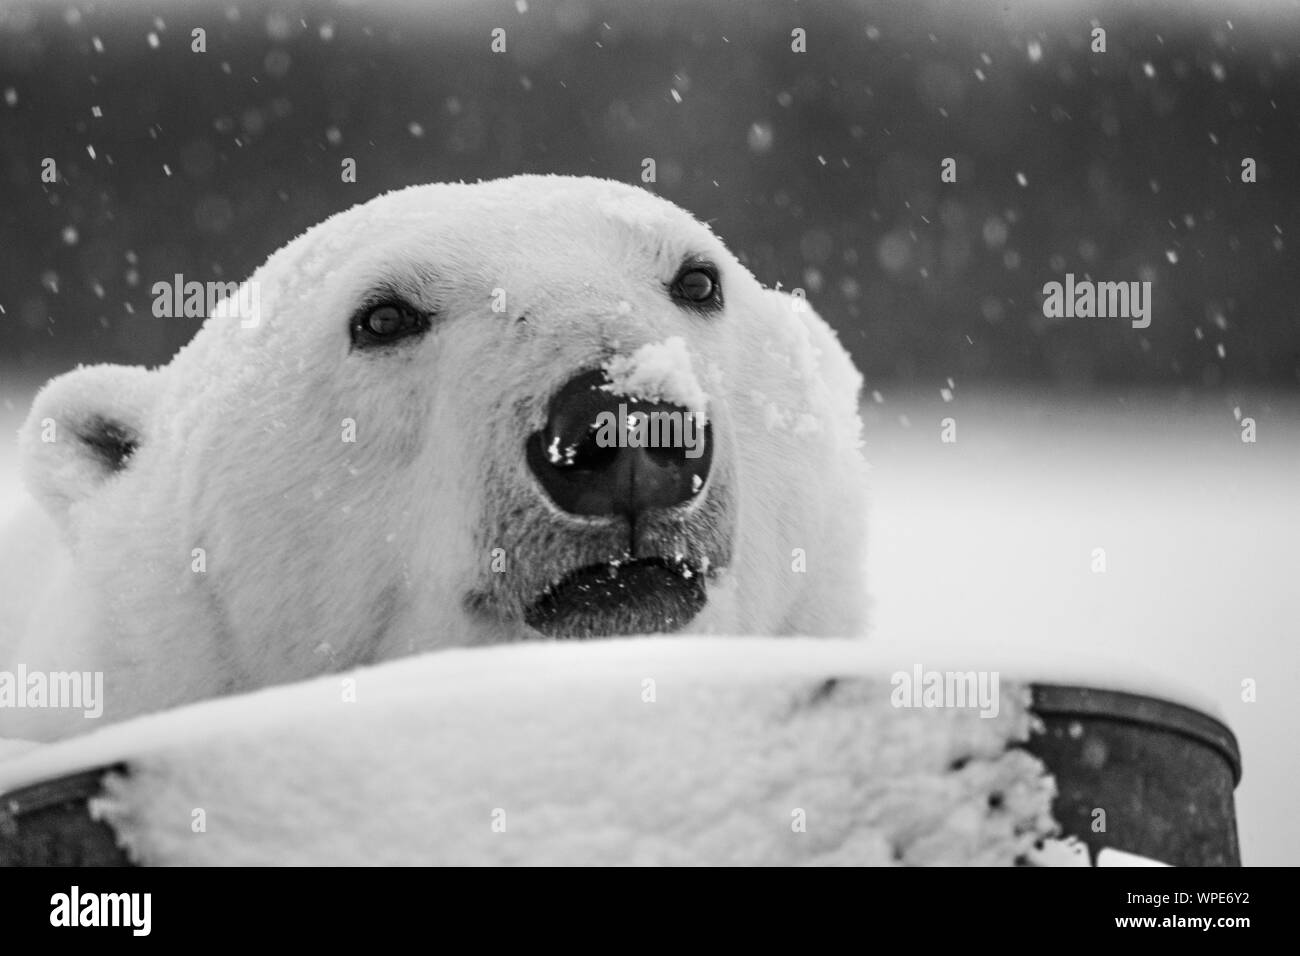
(618, 598)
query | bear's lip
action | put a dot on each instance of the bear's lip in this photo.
(620, 598)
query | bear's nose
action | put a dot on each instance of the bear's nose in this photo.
(602, 454)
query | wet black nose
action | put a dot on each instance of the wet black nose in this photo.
(605, 454)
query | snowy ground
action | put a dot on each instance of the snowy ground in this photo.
(992, 539)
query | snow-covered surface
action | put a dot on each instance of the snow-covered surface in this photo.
(652, 750)
(12, 748)
(1073, 852)
(1067, 851)
(1112, 857)
(658, 372)
(990, 541)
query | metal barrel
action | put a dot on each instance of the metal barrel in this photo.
(1133, 773)
(1139, 774)
(49, 824)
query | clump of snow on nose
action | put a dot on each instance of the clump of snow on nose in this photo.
(558, 456)
(658, 372)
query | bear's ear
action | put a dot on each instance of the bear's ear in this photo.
(83, 428)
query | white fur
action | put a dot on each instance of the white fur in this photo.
(321, 554)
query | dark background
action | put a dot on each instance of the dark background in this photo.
(821, 170)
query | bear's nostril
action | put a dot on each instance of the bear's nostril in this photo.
(580, 452)
(602, 454)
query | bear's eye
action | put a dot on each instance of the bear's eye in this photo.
(697, 286)
(387, 323)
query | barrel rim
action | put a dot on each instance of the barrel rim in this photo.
(1066, 700)
(44, 794)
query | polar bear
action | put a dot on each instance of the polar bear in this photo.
(395, 454)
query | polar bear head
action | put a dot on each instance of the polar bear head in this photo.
(392, 442)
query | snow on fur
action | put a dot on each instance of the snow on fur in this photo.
(658, 372)
(579, 759)
(243, 544)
